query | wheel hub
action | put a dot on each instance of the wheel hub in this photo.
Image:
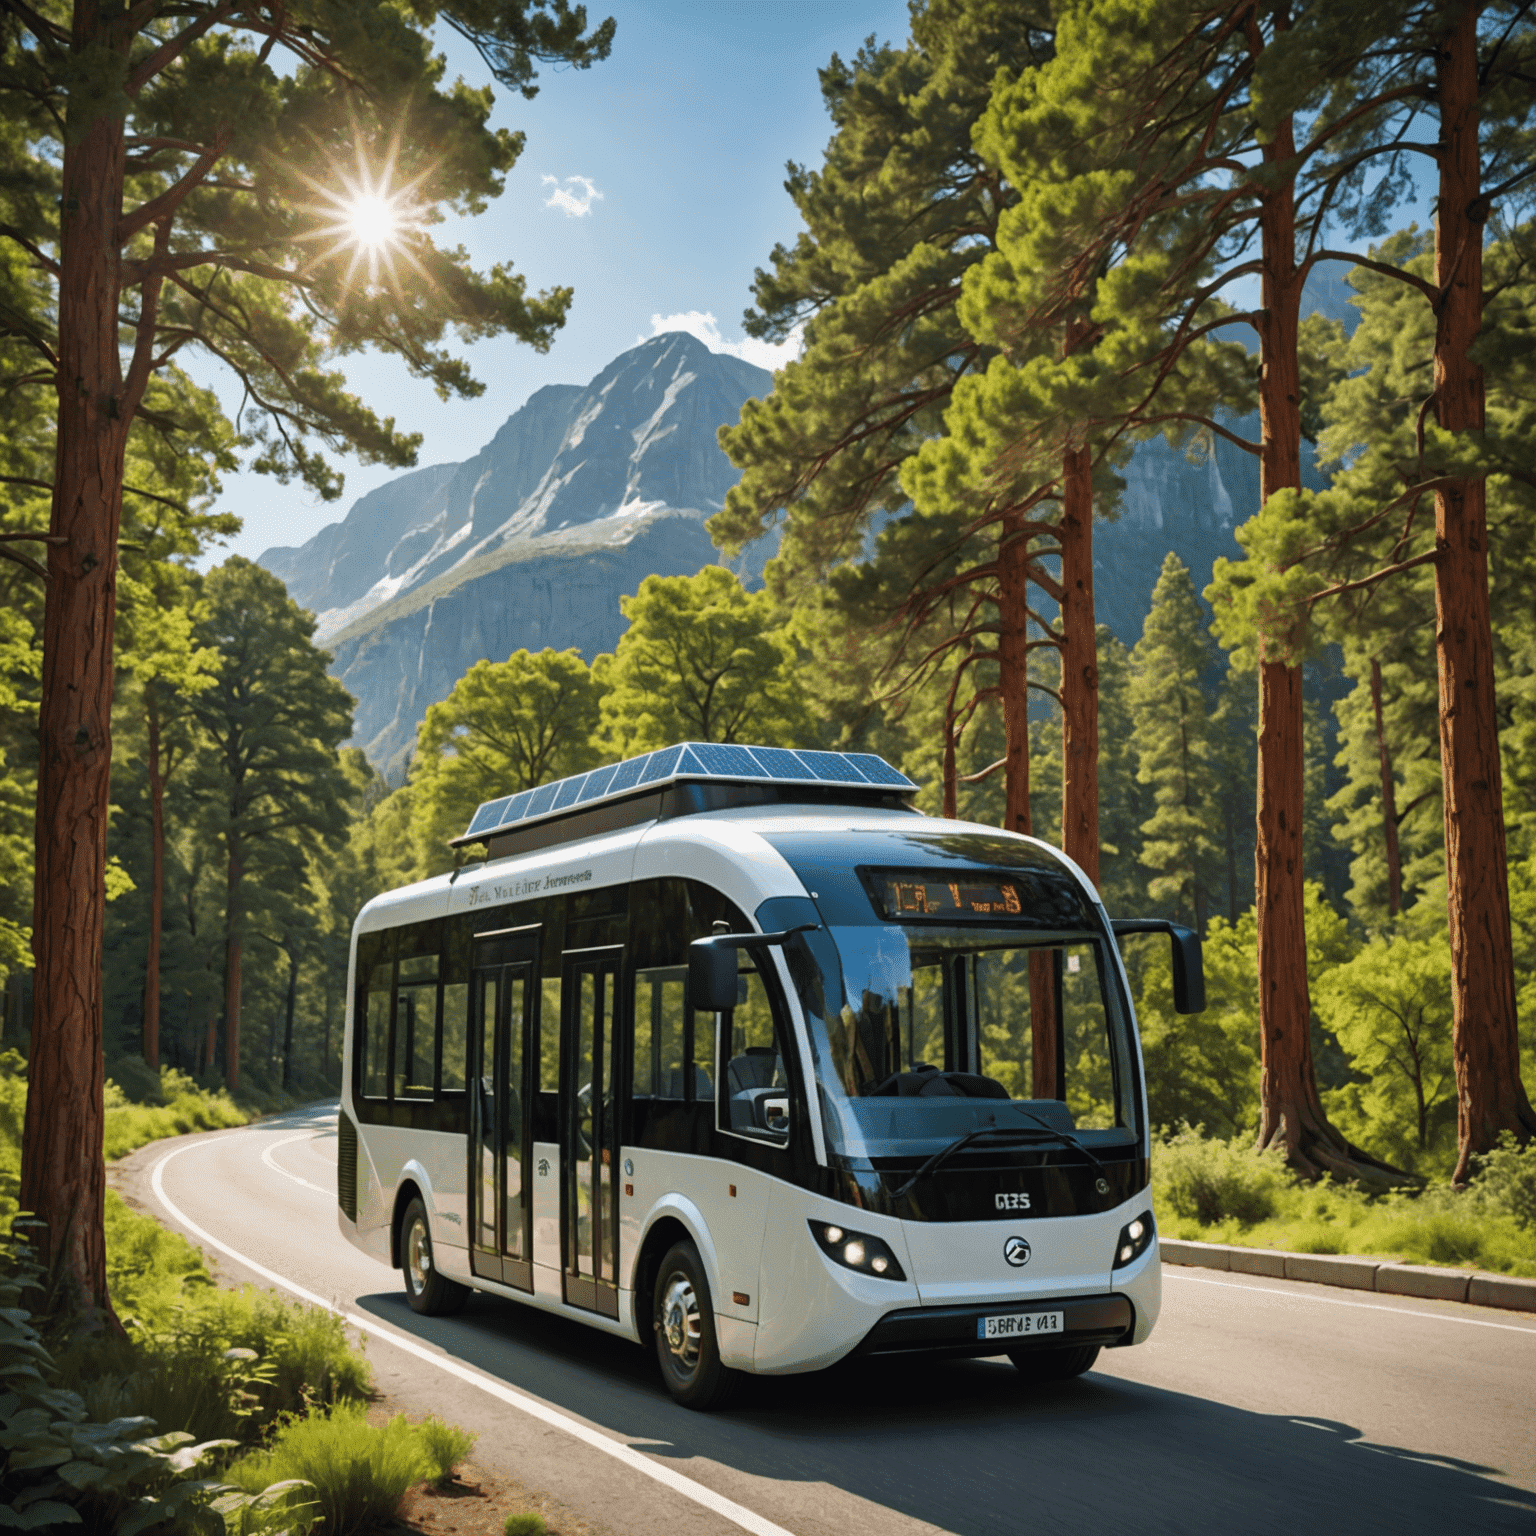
(680, 1320)
(418, 1255)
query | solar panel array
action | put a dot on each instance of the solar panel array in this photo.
(698, 760)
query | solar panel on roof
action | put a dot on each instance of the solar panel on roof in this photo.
(833, 766)
(628, 774)
(781, 764)
(489, 815)
(661, 765)
(543, 799)
(697, 760)
(723, 761)
(878, 771)
(598, 781)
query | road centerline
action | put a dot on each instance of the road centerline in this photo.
(696, 1492)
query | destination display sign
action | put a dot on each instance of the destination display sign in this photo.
(901, 895)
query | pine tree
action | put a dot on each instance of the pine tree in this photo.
(1175, 752)
(268, 771)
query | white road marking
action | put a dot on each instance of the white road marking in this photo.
(272, 1162)
(726, 1508)
(1339, 1301)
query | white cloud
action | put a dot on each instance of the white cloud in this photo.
(573, 197)
(703, 325)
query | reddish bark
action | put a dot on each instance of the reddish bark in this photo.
(62, 1174)
(1013, 670)
(151, 1036)
(1291, 1116)
(1490, 1095)
(1079, 668)
(1388, 799)
(232, 958)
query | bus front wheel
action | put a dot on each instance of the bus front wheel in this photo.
(1054, 1364)
(428, 1291)
(686, 1344)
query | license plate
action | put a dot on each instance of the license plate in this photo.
(1018, 1325)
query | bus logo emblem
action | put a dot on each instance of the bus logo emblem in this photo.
(543, 1167)
(1016, 1252)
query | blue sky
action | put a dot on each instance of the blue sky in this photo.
(681, 137)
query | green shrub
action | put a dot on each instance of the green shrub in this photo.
(446, 1445)
(526, 1524)
(1213, 1181)
(359, 1472)
(1508, 1181)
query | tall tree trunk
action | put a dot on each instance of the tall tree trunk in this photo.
(62, 1173)
(232, 955)
(289, 1004)
(1490, 1097)
(1079, 668)
(1388, 799)
(156, 882)
(1291, 1116)
(1013, 658)
(1013, 668)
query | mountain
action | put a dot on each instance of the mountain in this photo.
(585, 491)
(582, 493)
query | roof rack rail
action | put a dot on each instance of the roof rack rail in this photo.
(707, 761)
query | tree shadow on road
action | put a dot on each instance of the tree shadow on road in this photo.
(970, 1447)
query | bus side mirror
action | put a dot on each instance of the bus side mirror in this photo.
(1188, 958)
(711, 976)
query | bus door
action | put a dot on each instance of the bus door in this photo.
(589, 1129)
(502, 981)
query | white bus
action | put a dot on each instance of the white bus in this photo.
(731, 1052)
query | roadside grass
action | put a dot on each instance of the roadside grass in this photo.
(358, 1472)
(1214, 1191)
(525, 1524)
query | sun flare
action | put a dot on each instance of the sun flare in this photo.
(373, 221)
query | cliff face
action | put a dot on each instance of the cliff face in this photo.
(587, 490)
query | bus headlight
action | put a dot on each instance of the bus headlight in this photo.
(1135, 1237)
(856, 1250)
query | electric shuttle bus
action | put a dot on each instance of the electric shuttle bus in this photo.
(732, 1052)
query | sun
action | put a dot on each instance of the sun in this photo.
(369, 219)
(373, 221)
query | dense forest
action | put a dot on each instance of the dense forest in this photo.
(1040, 234)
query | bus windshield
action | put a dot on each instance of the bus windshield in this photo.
(949, 1000)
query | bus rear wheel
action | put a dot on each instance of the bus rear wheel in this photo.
(1054, 1364)
(686, 1345)
(428, 1291)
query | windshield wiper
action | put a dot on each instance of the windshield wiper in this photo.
(1027, 1133)
(1019, 1132)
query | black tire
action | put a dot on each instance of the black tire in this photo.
(1055, 1364)
(684, 1323)
(430, 1293)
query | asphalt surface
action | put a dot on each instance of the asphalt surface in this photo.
(1257, 1405)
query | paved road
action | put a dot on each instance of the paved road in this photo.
(1257, 1405)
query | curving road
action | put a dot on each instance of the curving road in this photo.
(1258, 1405)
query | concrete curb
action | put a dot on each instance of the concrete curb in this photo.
(1426, 1281)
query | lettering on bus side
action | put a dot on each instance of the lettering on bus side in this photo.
(1011, 1202)
(535, 885)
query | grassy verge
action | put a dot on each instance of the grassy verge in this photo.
(1223, 1192)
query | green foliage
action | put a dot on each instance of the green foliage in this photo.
(1213, 1181)
(506, 726)
(1508, 1181)
(525, 1523)
(359, 1472)
(1174, 748)
(1390, 1007)
(445, 1446)
(1467, 1230)
(701, 660)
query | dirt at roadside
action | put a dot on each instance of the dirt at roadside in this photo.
(478, 1502)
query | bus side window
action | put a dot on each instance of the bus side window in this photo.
(549, 1035)
(660, 1045)
(756, 1098)
(375, 1073)
(455, 1036)
(415, 1027)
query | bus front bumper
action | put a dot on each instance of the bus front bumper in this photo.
(1104, 1320)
